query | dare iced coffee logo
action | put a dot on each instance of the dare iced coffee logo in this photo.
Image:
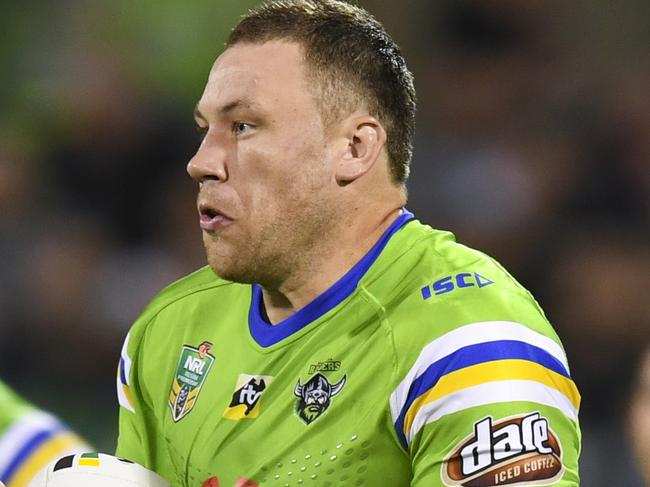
(514, 451)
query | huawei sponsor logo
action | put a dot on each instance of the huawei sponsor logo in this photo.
(521, 450)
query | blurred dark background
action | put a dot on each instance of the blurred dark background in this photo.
(533, 145)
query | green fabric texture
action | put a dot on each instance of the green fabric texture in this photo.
(320, 406)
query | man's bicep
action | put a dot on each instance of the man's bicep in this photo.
(131, 442)
(483, 398)
(502, 443)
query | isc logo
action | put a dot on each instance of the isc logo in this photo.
(449, 283)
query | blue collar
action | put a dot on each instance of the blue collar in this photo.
(266, 334)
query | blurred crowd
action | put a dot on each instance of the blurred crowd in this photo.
(533, 146)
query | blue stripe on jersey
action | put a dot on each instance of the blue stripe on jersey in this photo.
(473, 355)
(26, 450)
(266, 334)
(122, 372)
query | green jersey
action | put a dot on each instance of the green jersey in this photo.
(427, 364)
(30, 439)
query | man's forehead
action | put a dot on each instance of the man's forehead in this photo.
(232, 82)
(249, 71)
(276, 51)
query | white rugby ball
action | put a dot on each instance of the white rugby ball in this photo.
(96, 470)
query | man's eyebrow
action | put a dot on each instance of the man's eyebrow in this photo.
(228, 107)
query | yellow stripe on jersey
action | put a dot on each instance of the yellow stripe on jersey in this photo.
(127, 393)
(123, 379)
(124, 396)
(46, 453)
(499, 370)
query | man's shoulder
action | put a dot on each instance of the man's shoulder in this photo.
(446, 286)
(188, 288)
(420, 251)
(201, 286)
(199, 280)
(429, 267)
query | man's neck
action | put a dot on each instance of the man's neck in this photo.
(303, 287)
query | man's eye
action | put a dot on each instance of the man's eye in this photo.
(239, 128)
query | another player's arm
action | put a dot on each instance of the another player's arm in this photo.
(30, 439)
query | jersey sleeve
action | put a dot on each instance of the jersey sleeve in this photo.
(30, 439)
(490, 400)
(143, 393)
(139, 438)
(131, 442)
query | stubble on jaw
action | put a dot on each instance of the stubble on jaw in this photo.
(281, 248)
(287, 203)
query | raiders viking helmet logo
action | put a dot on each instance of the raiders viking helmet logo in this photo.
(315, 396)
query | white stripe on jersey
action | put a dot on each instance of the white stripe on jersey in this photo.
(124, 354)
(124, 368)
(491, 393)
(472, 334)
(23, 430)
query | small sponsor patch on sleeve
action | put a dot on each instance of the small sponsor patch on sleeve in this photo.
(519, 450)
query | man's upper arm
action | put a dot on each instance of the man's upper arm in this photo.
(489, 403)
(130, 443)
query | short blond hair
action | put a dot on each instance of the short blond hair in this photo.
(352, 62)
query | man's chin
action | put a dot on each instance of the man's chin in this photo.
(229, 270)
(222, 259)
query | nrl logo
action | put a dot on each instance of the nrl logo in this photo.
(315, 396)
(192, 369)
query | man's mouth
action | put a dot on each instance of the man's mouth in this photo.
(212, 220)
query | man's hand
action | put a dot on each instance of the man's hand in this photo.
(214, 482)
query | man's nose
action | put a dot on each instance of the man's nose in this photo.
(209, 162)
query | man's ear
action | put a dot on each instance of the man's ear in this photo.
(366, 138)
